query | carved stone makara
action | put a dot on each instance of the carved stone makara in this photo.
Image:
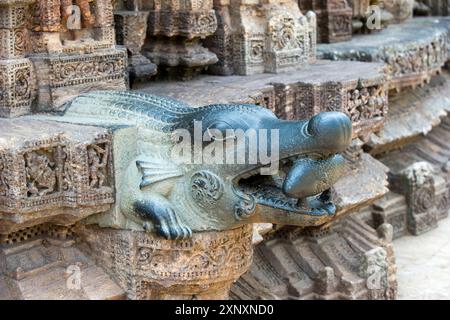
(158, 190)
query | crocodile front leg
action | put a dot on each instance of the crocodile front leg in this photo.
(158, 210)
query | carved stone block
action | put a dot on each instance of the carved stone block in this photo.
(412, 113)
(17, 86)
(13, 43)
(61, 175)
(175, 32)
(62, 77)
(262, 36)
(334, 19)
(13, 13)
(418, 182)
(148, 267)
(391, 209)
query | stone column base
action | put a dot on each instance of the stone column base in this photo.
(150, 267)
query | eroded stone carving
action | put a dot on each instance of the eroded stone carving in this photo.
(262, 36)
(131, 30)
(148, 267)
(175, 33)
(401, 10)
(159, 194)
(17, 77)
(73, 47)
(58, 177)
(321, 264)
(334, 19)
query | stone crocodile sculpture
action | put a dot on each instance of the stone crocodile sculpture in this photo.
(174, 199)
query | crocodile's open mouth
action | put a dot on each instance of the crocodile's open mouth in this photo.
(267, 190)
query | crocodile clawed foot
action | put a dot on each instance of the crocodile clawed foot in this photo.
(158, 216)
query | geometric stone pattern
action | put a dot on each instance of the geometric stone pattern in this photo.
(62, 77)
(61, 175)
(16, 87)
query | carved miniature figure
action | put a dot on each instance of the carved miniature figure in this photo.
(3, 184)
(41, 175)
(175, 198)
(97, 160)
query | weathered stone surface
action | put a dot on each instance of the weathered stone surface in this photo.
(391, 209)
(262, 36)
(60, 175)
(401, 10)
(348, 261)
(175, 32)
(64, 57)
(63, 77)
(17, 78)
(334, 19)
(412, 113)
(149, 267)
(365, 181)
(131, 30)
(17, 87)
(47, 265)
(357, 89)
(431, 7)
(424, 188)
(413, 51)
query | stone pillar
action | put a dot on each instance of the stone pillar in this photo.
(16, 72)
(175, 33)
(148, 267)
(131, 31)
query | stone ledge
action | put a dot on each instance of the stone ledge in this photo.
(413, 51)
(412, 113)
(356, 88)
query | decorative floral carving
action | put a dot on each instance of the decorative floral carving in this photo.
(207, 189)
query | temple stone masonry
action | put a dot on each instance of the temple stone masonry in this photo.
(95, 205)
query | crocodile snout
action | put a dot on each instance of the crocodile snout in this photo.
(332, 130)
